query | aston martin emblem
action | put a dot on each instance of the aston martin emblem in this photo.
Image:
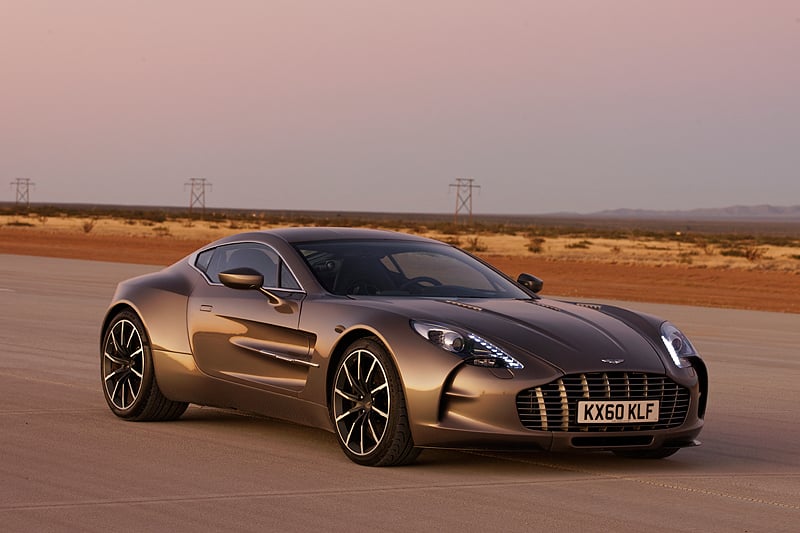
(613, 361)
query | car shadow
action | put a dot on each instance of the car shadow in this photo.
(319, 441)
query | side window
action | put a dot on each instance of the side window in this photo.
(287, 279)
(260, 258)
(203, 260)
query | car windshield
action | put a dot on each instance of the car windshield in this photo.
(403, 268)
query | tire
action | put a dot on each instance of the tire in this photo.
(127, 373)
(368, 409)
(659, 453)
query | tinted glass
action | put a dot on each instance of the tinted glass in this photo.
(203, 259)
(260, 258)
(403, 268)
(287, 280)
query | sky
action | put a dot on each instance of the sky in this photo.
(374, 105)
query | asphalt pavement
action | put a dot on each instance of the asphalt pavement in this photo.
(68, 464)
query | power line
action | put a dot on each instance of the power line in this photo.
(464, 188)
(23, 191)
(197, 194)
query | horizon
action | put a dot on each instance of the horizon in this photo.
(752, 212)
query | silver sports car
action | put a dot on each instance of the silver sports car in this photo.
(396, 343)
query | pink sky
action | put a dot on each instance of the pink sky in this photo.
(377, 105)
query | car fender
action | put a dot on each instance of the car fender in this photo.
(160, 300)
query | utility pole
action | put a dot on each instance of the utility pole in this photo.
(23, 191)
(464, 188)
(197, 194)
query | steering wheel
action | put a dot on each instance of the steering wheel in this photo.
(420, 281)
(361, 286)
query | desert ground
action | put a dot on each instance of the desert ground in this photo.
(678, 268)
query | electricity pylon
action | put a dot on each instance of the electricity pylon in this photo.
(23, 191)
(197, 194)
(464, 188)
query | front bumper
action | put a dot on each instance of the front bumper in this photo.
(479, 409)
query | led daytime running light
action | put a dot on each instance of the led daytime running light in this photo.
(490, 350)
(475, 350)
(677, 345)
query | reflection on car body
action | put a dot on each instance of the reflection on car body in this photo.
(396, 343)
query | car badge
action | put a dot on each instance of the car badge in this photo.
(613, 361)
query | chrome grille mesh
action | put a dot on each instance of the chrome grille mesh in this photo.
(553, 407)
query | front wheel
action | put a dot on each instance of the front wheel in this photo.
(129, 379)
(368, 408)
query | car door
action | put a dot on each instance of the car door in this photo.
(247, 336)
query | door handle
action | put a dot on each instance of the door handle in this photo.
(207, 308)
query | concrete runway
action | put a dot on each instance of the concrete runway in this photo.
(66, 463)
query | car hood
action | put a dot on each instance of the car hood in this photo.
(574, 338)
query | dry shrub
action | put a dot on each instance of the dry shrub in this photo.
(535, 244)
(584, 244)
(474, 244)
(89, 225)
(19, 224)
(751, 253)
(754, 253)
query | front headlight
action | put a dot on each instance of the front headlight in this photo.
(473, 349)
(677, 345)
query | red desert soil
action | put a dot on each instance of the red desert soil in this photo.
(742, 289)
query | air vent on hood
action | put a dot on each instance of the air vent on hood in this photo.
(465, 306)
(551, 307)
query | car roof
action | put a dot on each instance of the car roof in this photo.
(314, 234)
(293, 235)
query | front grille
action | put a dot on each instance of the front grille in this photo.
(553, 407)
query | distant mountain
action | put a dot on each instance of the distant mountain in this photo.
(737, 212)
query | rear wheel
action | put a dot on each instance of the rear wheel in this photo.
(368, 407)
(659, 453)
(129, 379)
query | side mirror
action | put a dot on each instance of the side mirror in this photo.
(242, 278)
(530, 282)
(245, 279)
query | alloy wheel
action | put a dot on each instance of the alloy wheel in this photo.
(361, 402)
(123, 364)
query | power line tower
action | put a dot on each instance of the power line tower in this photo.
(464, 188)
(23, 191)
(197, 194)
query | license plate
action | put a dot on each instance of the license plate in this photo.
(622, 412)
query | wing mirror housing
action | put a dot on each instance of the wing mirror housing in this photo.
(242, 279)
(245, 279)
(532, 283)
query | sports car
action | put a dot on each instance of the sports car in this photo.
(396, 343)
